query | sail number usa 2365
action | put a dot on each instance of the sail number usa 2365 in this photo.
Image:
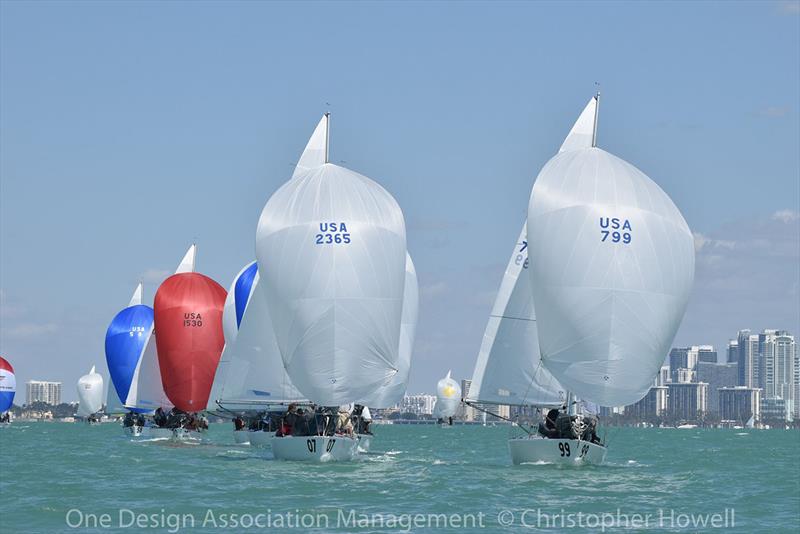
(616, 230)
(332, 233)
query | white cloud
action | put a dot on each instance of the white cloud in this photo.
(775, 112)
(703, 242)
(28, 330)
(791, 7)
(786, 216)
(154, 276)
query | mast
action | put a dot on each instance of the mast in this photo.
(327, 135)
(596, 115)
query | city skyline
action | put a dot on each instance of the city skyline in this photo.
(112, 161)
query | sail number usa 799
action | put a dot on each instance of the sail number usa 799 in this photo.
(332, 233)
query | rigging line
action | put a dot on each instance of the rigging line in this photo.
(481, 409)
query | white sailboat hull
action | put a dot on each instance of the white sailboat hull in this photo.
(241, 437)
(536, 449)
(315, 448)
(259, 438)
(364, 441)
(175, 434)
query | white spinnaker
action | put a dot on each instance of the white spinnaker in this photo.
(90, 393)
(612, 265)
(448, 397)
(393, 393)
(250, 374)
(509, 369)
(331, 247)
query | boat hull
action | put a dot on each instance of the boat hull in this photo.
(364, 441)
(315, 448)
(259, 438)
(555, 451)
(241, 437)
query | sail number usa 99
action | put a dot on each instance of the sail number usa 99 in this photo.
(332, 233)
(616, 230)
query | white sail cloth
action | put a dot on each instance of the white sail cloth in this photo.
(331, 248)
(448, 397)
(90, 393)
(393, 393)
(612, 264)
(509, 368)
(250, 374)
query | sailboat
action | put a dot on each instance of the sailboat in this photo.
(8, 388)
(250, 378)
(187, 314)
(611, 269)
(585, 320)
(90, 396)
(331, 250)
(448, 398)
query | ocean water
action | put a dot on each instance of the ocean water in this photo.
(58, 477)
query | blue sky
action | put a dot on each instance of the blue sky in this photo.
(128, 130)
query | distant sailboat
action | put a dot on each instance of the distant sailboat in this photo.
(90, 396)
(188, 323)
(448, 398)
(8, 388)
(331, 249)
(250, 377)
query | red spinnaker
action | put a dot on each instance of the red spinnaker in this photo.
(188, 329)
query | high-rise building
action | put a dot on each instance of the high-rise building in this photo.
(775, 408)
(683, 361)
(418, 404)
(748, 359)
(777, 356)
(717, 375)
(705, 353)
(651, 405)
(687, 401)
(43, 391)
(739, 403)
(663, 376)
(733, 351)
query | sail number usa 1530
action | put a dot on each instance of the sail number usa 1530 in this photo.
(616, 230)
(332, 233)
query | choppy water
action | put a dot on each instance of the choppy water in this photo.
(49, 469)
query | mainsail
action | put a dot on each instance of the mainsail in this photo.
(250, 374)
(612, 264)
(448, 397)
(331, 248)
(392, 393)
(8, 385)
(90, 393)
(509, 368)
(188, 324)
